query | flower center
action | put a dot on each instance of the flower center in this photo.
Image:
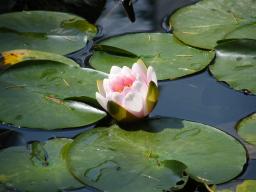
(121, 83)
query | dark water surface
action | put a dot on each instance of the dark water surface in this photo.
(197, 98)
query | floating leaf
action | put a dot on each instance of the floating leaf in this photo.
(35, 94)
(247, 129)
(206, 22)
(45, 31)
(170, 58)
(114, 159)
(247, 186)
(235, 64)
(10, 58)
(23, 170)
(123, 168)
(244, 32)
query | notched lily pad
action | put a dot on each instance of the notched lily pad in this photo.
(40, 94)
(206, 22)
(55, 32)
(243, 32)
(38, 167)
(117, 165)
(246, 129)
(235, 64)
(170, 58)
(133, 159)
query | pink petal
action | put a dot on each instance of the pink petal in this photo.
(126, 91)
(140, 70)
(101, 100)
(116, 83)
(115, 70)
(140, 87)
(127, 81)
(133, 102)
(151, 75)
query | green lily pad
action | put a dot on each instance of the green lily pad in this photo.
(39, 167)
(206, 22)
(170, 58)
(247, 129)
(247, 186)
(235, 64)
(114, 159)
(244, 32)
(55, 32)
(13, 57)
(244, 186)
(47, 94)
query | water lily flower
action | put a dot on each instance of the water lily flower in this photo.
(128, 94)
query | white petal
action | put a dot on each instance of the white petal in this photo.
(133, 102)
(139, 69)
(107, 87)
(126, 91)
(101, 100)
(126, 71)
(151, 75)
(117, 98)
(101, 88)
(115, 70)
(140, 87)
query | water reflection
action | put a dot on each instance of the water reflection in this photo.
(114, 20)
(89, 9)
(149, 15)
(201, 98)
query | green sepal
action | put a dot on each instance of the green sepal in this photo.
(152, 96)
(119, 113)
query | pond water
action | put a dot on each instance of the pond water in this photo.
(197, 98)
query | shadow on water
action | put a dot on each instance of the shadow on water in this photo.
(201, 98)
(9, 138)
(89, 9)
(154, 125)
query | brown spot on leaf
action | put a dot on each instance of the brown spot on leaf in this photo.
(54, 99)
(13, 57)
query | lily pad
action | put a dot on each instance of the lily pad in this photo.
(133, 159)
(11, 58)
(55, 32)
(170, 58)
(206, 22)
(40, 94)
(235, 64)
(40, 167)
(246, 186)
(247, 129)
(244, 32)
